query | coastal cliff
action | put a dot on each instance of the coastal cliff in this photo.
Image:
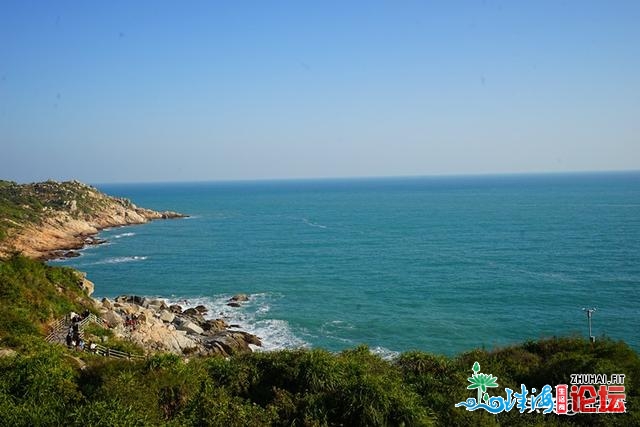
(45, 220)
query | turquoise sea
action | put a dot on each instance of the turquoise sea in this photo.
(440, 264)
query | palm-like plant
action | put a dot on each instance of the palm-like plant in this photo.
(481, 381)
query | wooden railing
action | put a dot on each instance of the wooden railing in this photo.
(59, 330)
(56, 328)
(92, 318)
(110, 352)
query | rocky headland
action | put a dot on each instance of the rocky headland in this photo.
(53, 219)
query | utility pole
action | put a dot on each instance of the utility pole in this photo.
(589, 312)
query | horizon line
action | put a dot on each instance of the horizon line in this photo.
(373, 177)
(345, 178)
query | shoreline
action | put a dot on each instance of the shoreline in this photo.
(70, 247)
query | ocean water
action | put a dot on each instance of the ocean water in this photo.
(442, 265)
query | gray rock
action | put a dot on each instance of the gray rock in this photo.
(191, 312)
(190, 327)
(112, 318)
(239, 298)
(214, 325)
(176, 309)
(167, 316)
(131, 299)
(229, 343)
(157, 304)
(87, 285)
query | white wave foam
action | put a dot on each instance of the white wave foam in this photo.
(384, 353)
(120, 236)
(119, 260)
(313, 224)
(275, 334)
(333, 329)
(90, 247)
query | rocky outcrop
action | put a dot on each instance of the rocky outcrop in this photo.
(157, 327)
(63, 217)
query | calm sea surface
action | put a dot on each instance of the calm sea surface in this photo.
(436, 264)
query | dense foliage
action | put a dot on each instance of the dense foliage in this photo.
(33, 294)
(43, 384)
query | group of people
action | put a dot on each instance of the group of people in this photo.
(131, 322)
(73, 338)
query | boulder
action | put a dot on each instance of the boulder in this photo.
(230, 343)
(130, 309)
(87, 286)
(239, 298)
(201, 309)
(191, 312)
(107, 304)
(176, 309)
(157, 304)
(131, 299)
(167, 316)
(190, 327)
(233, 304)
(194, 315)
(112, 319)
(248, 338)
(214, 325)
(178, 343)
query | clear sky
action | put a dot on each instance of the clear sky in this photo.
(130, 91)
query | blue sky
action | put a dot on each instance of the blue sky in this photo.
(178, 91)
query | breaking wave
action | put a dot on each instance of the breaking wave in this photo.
(251, 316)
(313, 224)
(122, 259)
(120, 236)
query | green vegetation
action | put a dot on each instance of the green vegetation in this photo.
(43, 385)
(33, 294)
